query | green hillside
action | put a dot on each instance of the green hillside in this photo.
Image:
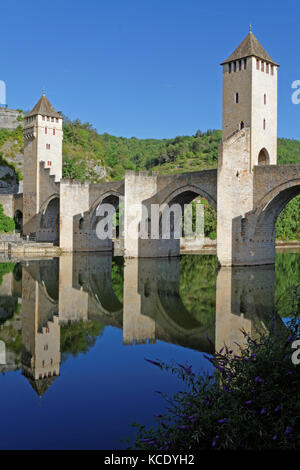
(88, 155)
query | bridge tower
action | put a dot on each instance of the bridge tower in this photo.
(42, 142)
(249, 138)
(250, 99)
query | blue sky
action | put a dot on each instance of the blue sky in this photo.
(143, 68)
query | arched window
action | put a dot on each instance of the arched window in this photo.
(81, 221)
(263, 157)
(236, 98)
(264, 124)
(242, 125)
(18, 218)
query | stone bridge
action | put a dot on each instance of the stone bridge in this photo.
(254, 234)
(248, 202)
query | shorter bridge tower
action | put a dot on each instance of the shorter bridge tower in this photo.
(42, 143)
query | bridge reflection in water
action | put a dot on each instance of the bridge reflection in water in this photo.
(144, 298)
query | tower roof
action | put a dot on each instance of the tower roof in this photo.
(44, 107)
(249, 47)
(40, 386)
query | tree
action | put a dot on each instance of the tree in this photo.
(6, 223)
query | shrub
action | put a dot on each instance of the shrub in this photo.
(250, 402)
(6, 223)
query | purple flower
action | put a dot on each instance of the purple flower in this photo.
(248, 402)
(155, 363)
(277, 408)
(214, 442)
(193, 418)
(223, 420)
(221, 350)
(274, 437)
(258, 379)
(288, 430)
(183, 426)
(290, 339)
(187, 370)
(263, 411)
(208, 339)
(207, 357)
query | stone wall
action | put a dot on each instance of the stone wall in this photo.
(9, 118)
(7, 201)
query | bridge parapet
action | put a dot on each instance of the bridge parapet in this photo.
(270, 180)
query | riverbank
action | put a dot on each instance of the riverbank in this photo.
(27, 248)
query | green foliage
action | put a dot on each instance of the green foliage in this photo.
(6, 223)
(5, 268)
(117, 276)
(198, 276)
(288, 223)
(287, 282)
(74, 168)
(12, 136)
(79, 337)
(249, 402)
(288, 151)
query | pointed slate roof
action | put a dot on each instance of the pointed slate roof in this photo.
(45, 108)
(40, 386)
(249, 47)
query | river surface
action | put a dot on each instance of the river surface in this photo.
(75, 332)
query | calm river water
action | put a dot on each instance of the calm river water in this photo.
(75, 332)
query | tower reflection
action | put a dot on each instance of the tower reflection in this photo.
(149, 299)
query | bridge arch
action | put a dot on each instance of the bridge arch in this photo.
(185, 194)
(109, 197)
(18, 218)
(271, 205)
(49, 220)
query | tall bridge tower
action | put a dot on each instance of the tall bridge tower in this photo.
(250, 99)
(249, 139)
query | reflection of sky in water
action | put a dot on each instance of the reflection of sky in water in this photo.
(145, 309)
(96, 398)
